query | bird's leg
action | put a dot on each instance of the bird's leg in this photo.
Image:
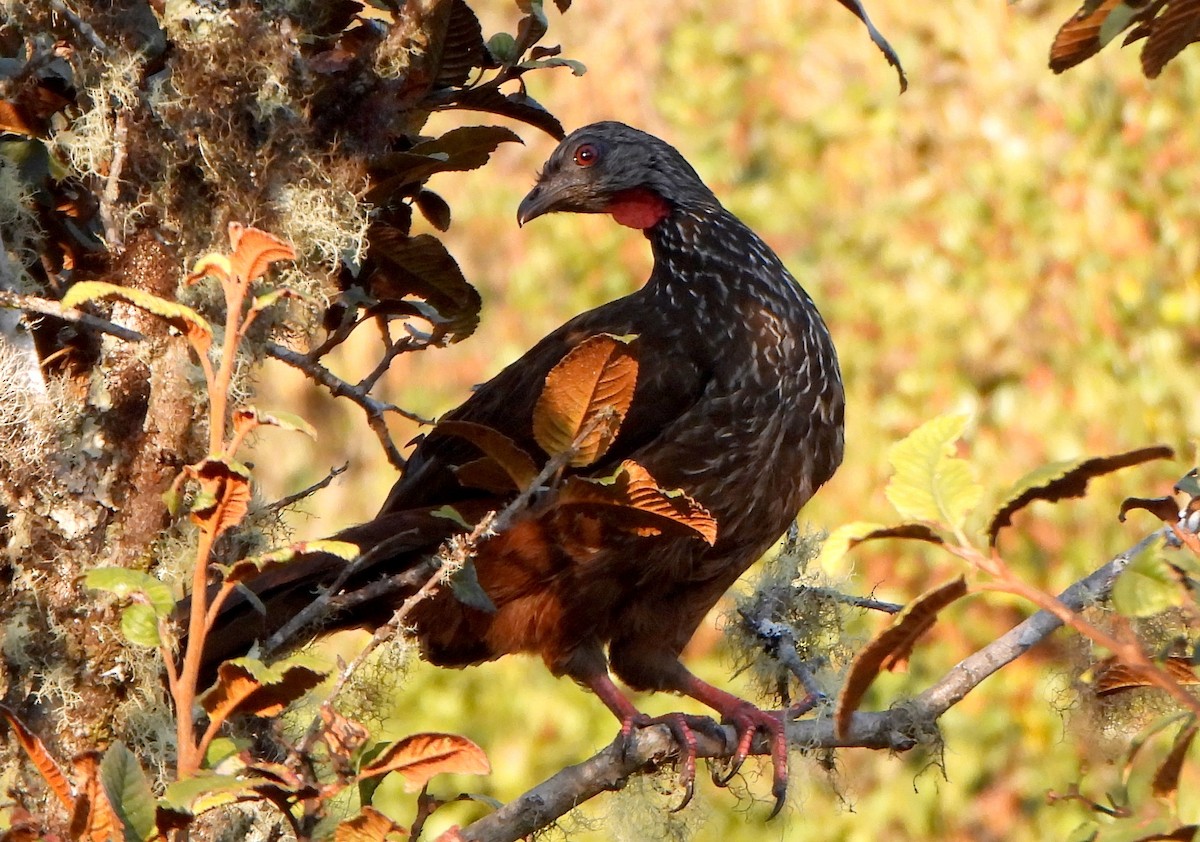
(748, 720)
(681, 725)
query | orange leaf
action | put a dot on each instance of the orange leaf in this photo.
(634, 499)
(245, 685)
(500, 448)
(585, 399)
(93, 817)
(254, 251)
(224, 496)
(1112, 676)
(368, 826)
(41, 759)
(892, 646)
(421, 756)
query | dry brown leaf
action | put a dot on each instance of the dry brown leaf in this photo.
(498, 447)
(224, 496)
(1079, 38)
(249, 686)
(41, 759)
(1174, 29)
(421, 756)
(1111, 676)
(1166, 779)
(368, 826)
(634, 500)
(892, 646)
(585, 399)
(93, 817)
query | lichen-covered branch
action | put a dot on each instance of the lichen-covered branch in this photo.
(897, 729)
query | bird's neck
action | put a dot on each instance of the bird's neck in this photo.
(708, 253)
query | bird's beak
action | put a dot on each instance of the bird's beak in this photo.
(539, 201)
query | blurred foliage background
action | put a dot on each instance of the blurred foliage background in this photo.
(1021, 246)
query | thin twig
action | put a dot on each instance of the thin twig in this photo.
(83, 27)
(869, 603)
(375, 410)
(292, 499)
(112, 185)
(46, 307)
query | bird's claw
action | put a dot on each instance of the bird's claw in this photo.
(683, 728)
(749, 721)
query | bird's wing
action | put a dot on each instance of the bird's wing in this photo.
(669, 383)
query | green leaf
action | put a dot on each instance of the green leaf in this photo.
(1147, 586)
(139, 624)
(128, 792)
(205, 791)
(223, 748)
(930, 483)
(254, 417)
(127, 583)
(503, 48)
(451, 513)
(465, 584)
(184, 318)
(1118, 20)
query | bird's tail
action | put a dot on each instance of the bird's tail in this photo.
(268, 605)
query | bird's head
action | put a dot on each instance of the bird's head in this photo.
(612, 168)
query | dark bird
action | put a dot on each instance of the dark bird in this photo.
(738, 403)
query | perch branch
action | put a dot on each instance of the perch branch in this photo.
(897, 729)
(46, 307)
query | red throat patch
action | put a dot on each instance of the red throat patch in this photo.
(639, 208)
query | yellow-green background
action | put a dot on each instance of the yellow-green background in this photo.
(999, 241)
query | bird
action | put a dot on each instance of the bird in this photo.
(738, 404)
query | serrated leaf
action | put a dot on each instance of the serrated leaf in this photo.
(247, 685)
(892, 646)
(1060, 480)
(252, 566)
(139, 624)
(223, 497)
(127, 583)
(128, 793)
(632, 499)
(585, 399)
(248, 417)
(400, 268)
(181, 317)
(421, 756)
(1147, 586)
(878, 40)
(1110, 676)
(452, 514)
(506, 453)
(850, 535)
(42, 760)
(930, 483)
(254, 250)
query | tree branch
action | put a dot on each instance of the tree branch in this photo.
(46, 307)
(897, 729)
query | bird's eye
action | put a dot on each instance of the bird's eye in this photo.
(586, 155)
